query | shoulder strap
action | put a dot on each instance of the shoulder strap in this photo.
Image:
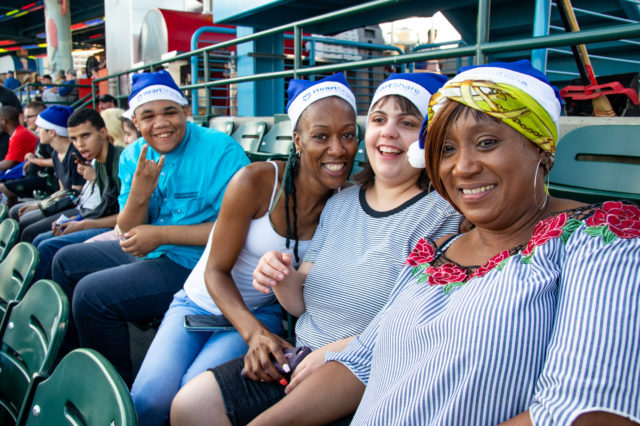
(280, 191)
(275, 186)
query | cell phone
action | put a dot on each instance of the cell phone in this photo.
(207, 323)
(79, 159)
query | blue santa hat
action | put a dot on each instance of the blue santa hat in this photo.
(154, 86)
(416, 87)
(55, 118)
(303, 93)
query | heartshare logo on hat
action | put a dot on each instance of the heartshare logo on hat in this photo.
(303, 93)
(155, 86)
(55, 118)
(417, 88)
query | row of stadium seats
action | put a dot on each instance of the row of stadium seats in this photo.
(84, 388)
(270, 138)
(593, 163)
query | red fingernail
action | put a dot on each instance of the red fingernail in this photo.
(284, 382)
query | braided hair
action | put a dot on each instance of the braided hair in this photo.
(290, 172)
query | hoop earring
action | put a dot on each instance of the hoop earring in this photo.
(535, 186)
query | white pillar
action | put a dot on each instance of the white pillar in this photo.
(57, 16)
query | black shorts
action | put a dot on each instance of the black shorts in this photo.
(245, 399)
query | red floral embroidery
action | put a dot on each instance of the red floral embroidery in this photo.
(492, 263)
(422, 253)
(549, 228)
(447, 273)
(622, 219)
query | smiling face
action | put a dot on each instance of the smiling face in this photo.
(89, 141)
(326, 140)
(162, 124)
(390, 132)
(488, 169)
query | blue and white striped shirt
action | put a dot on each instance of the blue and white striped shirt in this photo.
(555, 332)
(357, 254)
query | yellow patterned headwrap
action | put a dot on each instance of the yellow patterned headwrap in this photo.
(519, 100)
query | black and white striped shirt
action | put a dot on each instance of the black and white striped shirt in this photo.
(357, 254)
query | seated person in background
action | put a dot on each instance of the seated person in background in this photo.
(88, 134)
(11, 82)
(51, 93)
(545, 331)
(38, 166)
(21, 140)
(267, 206)
(7, 97)
(130, 131)
(172, 183)
(68, 92)
(111, 117)
(52, 130)
(105, 102)
(364, 234)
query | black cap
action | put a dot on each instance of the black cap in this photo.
(107, 98)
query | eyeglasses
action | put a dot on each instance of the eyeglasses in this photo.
(29, 117)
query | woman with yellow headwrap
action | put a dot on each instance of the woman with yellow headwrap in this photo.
(531, 317)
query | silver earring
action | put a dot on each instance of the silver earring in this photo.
(298, 154)
(535, 186)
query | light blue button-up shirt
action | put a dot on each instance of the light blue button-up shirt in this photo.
(191, 184)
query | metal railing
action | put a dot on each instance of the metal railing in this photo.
(606, 58)
(479, 51)
(32, 91)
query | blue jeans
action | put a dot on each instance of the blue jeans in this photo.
(48, 246)
(110, 288)
(178, 355)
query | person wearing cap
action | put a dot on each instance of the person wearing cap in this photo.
(253, 220)
(365, 233)
(11, 82)
(38, 165)
(21, 142)
(52, 130)
(172, 183)
(98, 201)
(105, 102)
(531, 317)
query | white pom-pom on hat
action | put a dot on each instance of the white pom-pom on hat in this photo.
(416, 155)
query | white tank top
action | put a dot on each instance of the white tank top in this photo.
(261, 238)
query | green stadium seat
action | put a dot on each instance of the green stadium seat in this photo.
(31, 338)
(84, 389)
(16, 273)
(9, 230)
(250, 134)
(4, 210)
(598, 163)
(360, 160)
(223, 125)
(276, 144)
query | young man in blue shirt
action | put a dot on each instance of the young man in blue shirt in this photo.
(172, 183)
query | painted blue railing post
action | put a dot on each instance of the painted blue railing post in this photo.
(541, 28)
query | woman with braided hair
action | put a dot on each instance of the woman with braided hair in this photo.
(364, 234)
(267, 206)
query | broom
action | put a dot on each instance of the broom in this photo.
(601, 105)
